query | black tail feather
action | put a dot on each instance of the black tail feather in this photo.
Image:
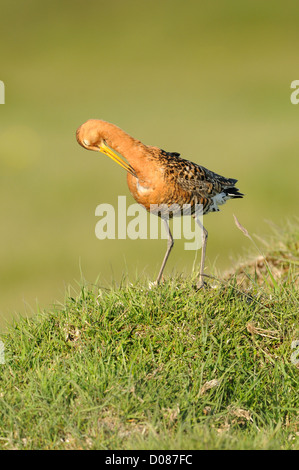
(233, 192)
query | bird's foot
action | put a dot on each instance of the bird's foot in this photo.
(152, 285)
(155, 283)
(201, 284)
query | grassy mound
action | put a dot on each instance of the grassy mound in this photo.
(164, 367)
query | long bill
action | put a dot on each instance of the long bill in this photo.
(107, 151)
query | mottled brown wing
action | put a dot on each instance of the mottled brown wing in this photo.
(195, 178)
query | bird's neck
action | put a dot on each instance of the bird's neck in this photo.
(131, 149)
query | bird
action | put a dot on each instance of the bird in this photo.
(156, 177)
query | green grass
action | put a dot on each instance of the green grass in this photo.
(211, 81)
(167, 367)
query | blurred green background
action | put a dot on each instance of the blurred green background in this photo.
(210, 80)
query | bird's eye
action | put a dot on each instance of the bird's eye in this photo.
(86, 142)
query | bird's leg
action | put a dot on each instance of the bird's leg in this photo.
(204, 234)
(170, 244)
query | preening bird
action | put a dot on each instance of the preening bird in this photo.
(156, 177)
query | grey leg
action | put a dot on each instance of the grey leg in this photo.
(170, 244)
(204, 232)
